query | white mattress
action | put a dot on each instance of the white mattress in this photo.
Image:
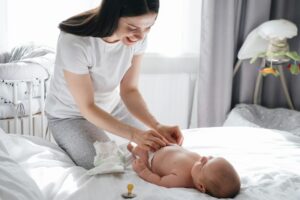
(267, 161)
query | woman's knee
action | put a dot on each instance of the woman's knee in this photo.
(83, 159)
(75, 138)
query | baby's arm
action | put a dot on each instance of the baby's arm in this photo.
(170, 180)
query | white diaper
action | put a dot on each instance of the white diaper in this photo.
(150, 158)
(110, 158)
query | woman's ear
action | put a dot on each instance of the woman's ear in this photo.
(201, 187)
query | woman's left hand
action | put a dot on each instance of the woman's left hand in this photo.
(171, 133)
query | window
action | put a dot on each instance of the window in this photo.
(37, 21)
(176, 32)
(177, 29)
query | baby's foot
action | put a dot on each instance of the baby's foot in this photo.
(130, 147)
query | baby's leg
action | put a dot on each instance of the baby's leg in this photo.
(138, 152)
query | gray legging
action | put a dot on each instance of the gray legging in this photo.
(77, 135)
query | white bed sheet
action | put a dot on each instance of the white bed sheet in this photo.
(268, 162)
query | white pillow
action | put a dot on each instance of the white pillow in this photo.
(15, 183)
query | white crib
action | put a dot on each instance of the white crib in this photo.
(19, 112)
(24, 76)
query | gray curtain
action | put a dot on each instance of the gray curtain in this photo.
(225, 25)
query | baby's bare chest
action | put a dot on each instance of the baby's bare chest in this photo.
(170, 160)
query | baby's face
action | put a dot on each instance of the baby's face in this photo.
(206, 168)
(202, 168)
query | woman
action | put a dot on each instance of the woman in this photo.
(95, 82)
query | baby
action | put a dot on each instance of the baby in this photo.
(174, 166)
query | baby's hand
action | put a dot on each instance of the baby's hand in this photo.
(138, 165)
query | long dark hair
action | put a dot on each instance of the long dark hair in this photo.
(103, 21)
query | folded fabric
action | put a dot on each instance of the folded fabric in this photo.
(15, 181)
(110, 158)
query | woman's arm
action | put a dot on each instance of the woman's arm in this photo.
(131, 96)
(81, 88)
(137, 106)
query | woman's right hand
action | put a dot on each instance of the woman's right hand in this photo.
(149, 140)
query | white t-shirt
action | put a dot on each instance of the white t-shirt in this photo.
(105, 62)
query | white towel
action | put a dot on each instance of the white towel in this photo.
(110, 158)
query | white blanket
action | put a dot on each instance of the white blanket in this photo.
(252, 115)
(267, 161)
(27, 62)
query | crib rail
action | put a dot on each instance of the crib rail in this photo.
(16, 103)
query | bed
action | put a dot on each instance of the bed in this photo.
(266, 159)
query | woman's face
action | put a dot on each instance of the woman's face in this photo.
(132, 29)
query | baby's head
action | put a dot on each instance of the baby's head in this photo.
(216, 176)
